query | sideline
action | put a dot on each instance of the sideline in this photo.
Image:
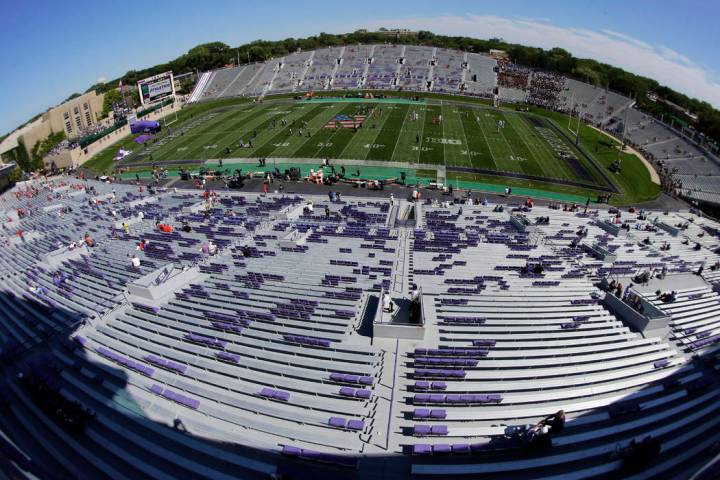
(654, 177)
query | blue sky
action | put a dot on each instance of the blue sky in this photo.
(52, 49)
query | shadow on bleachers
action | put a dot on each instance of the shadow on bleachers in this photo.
(366, 323)
(679, 412)
(30, 319)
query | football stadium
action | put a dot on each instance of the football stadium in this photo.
(377, 258)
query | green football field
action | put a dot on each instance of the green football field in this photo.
(465, 138)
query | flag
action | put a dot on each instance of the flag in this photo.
(346, 121)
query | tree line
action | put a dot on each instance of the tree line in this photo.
(217, 54)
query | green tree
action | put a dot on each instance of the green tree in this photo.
(43, 147)
(111, 97)
(15, 175)
(21, 157)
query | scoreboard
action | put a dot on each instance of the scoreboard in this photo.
(156, 88)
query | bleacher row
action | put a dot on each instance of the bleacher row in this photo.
(263, 363)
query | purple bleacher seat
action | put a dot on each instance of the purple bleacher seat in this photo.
(441, 448)
(337, 377)
(421, 397)
(439, 430)
(421, 413)
(365, 380)
(661, 363)
(228, 357)
(453, 398)
(421, 430)
(347, 391)
(362, 393)
(495, 397)
(337, 422)
(438, 413)
(291, 451)
(422, 385)
(156, 389)
(480, 446)
(624, 408)
(356, 425)
(281, 395)
(267, 392)
(436, 398)
(460, 448)
(438, 385)
(421, 449)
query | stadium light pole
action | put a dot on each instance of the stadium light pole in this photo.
(577, 132)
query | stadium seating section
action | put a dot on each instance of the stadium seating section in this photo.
(265, 362)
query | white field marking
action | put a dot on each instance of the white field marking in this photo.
(472, 153)
(487, 142)
(462, 129)
(443, 141)
(523, 137)
(397, 140)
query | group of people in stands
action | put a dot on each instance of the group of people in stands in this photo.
(536, 268)
(613, 287)
(163, 227)
(545, 87)
(666, 297)
(539, 436)
(634, 301)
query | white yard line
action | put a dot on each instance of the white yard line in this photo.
(402, 127)
(442, 124)
(530, 149)
(336, 109)
(487, 142)
(361, 133)
(467, 145)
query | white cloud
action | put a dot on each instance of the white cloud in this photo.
(102, 79)
(661, 63)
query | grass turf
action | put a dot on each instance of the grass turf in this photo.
(410, 132)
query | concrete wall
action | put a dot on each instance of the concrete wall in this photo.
(84, 110)
(654, 323)
(101, 144)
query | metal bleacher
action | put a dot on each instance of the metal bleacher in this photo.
(264, 363)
